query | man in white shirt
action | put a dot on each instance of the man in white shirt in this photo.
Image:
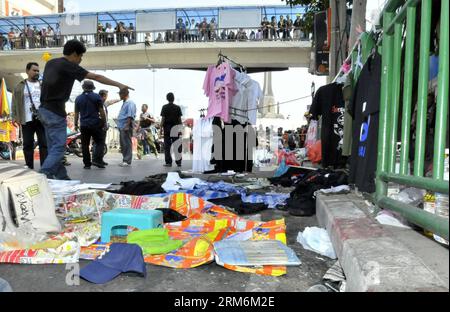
(25, 103)
(109, 34)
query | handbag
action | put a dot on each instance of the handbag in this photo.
(34, 111)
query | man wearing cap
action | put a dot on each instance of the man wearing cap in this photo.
(125, 123)
(89, 110)
(106, 103)
(59, 77)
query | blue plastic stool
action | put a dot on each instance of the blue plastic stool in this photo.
(116, 221)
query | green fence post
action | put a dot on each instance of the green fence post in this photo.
(442, 99)
(385, 97)
(396, 75)
(421, 124)
(407, 89)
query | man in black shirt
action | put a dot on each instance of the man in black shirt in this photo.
(172, 126)
(59, 77)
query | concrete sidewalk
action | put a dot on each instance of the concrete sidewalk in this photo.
(375, 257)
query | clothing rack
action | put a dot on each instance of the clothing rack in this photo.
(223, 56)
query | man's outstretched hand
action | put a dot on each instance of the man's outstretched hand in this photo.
(125, 87)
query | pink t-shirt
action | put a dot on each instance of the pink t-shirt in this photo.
(220, 88)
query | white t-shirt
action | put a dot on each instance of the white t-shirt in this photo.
(187, 133)
(255, 96)
(239, 108)
(245, 102)
(203, 142)
(35, 90)
(110, 32)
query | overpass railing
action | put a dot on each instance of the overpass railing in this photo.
(155, 37)
(400, 63)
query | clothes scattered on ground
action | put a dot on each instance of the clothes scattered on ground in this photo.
(140, 188)
(175, 183)
(119, 259)
(170, 215)
(341, 189)
(317, 240)
(235, 203)
(154, 241)
(197, 214)
(302, 201)
(254, 253)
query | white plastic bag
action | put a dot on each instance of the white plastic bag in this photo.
(311, 135)
(317, 240)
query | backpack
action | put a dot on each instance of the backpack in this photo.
(26, 200)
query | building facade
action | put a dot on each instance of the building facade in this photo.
(29, 7)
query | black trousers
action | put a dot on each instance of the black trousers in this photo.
(28, 131)
(94, 146)
(168, 141)
(95, 133)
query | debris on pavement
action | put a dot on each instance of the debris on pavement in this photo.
(317, 240)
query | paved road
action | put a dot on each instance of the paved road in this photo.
(208, 278)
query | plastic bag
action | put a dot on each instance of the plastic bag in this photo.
(317, 240)
(411, 196)
(311, 135)
(315, 152)
(20, 238)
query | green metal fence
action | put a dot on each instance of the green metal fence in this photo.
(399, 24)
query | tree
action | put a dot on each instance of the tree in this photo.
(312, 7)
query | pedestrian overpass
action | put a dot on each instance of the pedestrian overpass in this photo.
(155, 40)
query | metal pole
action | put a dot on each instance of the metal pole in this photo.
(421, 124)
(407, 89)
(385, 97)
(397, 62)
(442, 98)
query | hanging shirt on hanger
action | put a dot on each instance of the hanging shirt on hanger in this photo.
(203, 142)
(329, 103)
(365, 109)
(244, 105)
(220, 88)
(255, 96)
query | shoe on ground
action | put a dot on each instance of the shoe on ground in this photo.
(98, 165)
(167, 165)
(124, 164)
(178, 165)
(105, 163)
(87, 167)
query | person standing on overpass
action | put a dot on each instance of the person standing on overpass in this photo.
(59, 77)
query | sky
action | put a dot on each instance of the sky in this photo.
(152, 86)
